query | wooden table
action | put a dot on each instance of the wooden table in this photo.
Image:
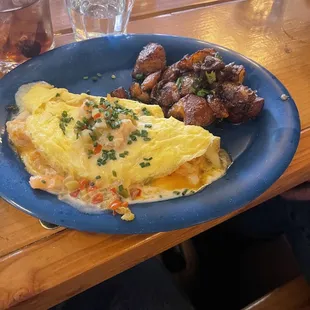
(40, 268)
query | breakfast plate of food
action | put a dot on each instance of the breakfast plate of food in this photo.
(141, 133)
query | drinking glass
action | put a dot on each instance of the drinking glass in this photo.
(25, 31)
(96, 18)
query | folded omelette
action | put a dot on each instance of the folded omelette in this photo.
(100, 153)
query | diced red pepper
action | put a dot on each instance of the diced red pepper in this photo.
(135, 192)
(125, 204)
(98, 198)
(75, 193)
(113, 190)
(96, 116)
(115, 204)
(83, 183)
(97, 149)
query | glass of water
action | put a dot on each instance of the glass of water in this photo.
(96, 18)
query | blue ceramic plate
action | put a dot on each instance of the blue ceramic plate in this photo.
(261, 149)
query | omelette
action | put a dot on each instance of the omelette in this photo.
(104, 153)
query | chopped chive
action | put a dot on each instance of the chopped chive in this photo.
(110, 138)
(133, 138)
(114, 173)
(85, 77)
(113, 76)
(147, 159)
(184, 192)
(143, 165)
(148, 125)
(102, 100)
(146, 111)
(122, 155)
(93, 137)
(192, 192)
(43, 181)
(146, 139)
(160, 196)
(58, 95)
(126, 153)
(179, 82)
(176, 192)
(129, 142)
(136, 133)
(139, 76)
(98, 177)
(122, 191)
(144, 133)
(88, 92)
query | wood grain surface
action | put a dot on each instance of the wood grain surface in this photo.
(55, 265)
(294, 295)
(142, 9)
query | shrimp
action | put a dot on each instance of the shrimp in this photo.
(121, 135)
(53, 183)
(18, 133)
(85, 110)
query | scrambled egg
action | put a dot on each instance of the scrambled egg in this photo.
(109, 152)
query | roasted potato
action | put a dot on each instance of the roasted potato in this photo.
(165, 95)
(137, 93)
(218, 107)
(151, 59)
(193, 110)
(119, 92)
(150, 81)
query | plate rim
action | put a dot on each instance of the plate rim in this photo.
(283, 165)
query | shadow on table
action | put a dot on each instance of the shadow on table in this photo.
(147, 286)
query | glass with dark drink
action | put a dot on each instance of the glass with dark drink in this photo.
(25, 31)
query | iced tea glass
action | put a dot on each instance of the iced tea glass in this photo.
(25, 31)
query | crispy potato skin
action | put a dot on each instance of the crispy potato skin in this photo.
(137, 93)
(150, 81)
(193, 110)
(119, 92)
(151, 59)
(197, 89)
